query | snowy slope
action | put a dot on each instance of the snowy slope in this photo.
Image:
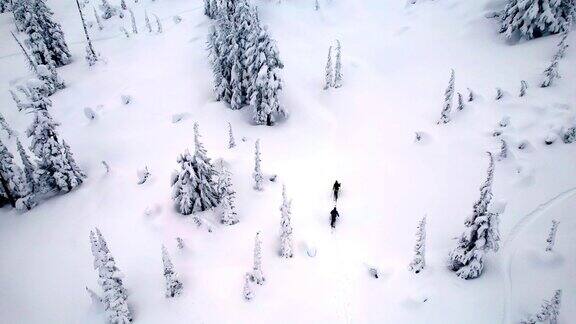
(397, 61)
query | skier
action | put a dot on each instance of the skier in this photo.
(335, 189)
(333, 217)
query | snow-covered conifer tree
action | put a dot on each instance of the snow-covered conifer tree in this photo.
(328, 74)
(231, 142)
(549, 311)
(46, 73)
(534, 18)
(220, 45)
(98, 21)
(419, 261)
(523, 88)
(29, 168)
(19, 9)
(114, 298)
(562, 46)
(147, 22)
(503, 150)
(13, 186)
(552, 236)
(193, 187)
(448, 95)
(4, 126)
(36, 42)
(264, 65)
(123, 5)
(158, 24)
(257, 174)
(173, 284)
(5, 6)
(133, 21)
(499, 94)
(107, 10)
(50, 31)
(460, 101)
(56, 169)
(481, 234)
(470, 95)
(228, 214)
(91, 56)
(316, 5)
(550, 74)
(286, 242)
(180, 244)
(257, 275)
(248, 289)
(338, 66)
(49, 40)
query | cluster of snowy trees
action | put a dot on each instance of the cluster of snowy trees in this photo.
(535, 18)
(449, 97)
(245, 60)
(54, 169)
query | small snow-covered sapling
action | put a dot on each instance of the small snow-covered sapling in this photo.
(551, 240)
(106, 166)
(418, 136)
(373, 272)
(523, 88)
(470, 95)
(177, 19)
(499, 93)
(505, 121)
(549, 311)
(125, 32)
(231, 141)
(89, 113)
(550, 139)
(503, 150)
(460, 102)
(126, 99)
(143, 175)
(180, 243)
(248, 289)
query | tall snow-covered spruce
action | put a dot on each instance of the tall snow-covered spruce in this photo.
(551, 240)
(286, 241)
(173, 284)
(39, 18)
(419, 261)
(194, 186)
(480, 236)
(448, 95)
(114, 297)
(535, 18)
(228, 214)
(56, 170)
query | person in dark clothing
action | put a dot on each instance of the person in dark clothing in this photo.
(333, 217)
(335, 189)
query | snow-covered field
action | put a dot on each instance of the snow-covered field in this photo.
(396, 65)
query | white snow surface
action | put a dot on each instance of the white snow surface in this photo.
(396, 65)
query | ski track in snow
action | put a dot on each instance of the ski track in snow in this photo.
(510, 247)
